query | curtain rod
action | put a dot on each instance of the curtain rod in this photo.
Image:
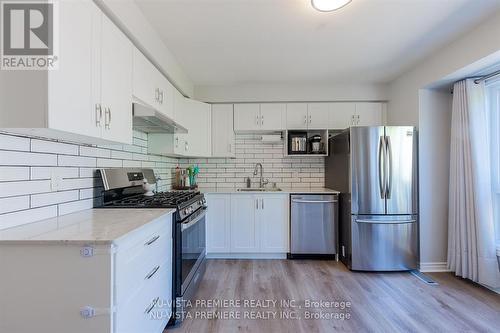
(486, 77)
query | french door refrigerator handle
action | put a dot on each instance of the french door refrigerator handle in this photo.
(381, 167)
(385, 222)
(388, 147)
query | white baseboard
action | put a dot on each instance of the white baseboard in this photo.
(433, 267)
(246, 255)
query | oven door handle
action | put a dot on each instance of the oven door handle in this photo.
(188, 225)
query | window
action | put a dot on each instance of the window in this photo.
(493, 105)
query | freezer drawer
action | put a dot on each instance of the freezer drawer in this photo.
(314, 224)
(384, 243)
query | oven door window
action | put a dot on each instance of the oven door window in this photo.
(193, 249)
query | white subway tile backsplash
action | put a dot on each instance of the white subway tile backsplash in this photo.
(26, 194)
(14, 173)
(94, 152)
(9, 142)
(48, 172)
(10, 189)
(91, 193)
(78, 183)
(13, 158)
(88, 172)
(47, 199)
(53, 147)
(75, 206)
(77, 161)
(10, 220)
(285, 171)
(109, 163)
(131, 164)
(123, 155)
(13, 204)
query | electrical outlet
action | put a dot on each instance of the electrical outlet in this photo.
(55, 181)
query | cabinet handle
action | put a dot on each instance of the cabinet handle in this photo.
(230, 148)
(151, 307)
(98, 115)
(161, 96)
(153, 272)
(358, 120)
(107, 118)
(176, 142)
(305, 119)
(152, 240)
(257, 120)
(262, 203)
(256, 203)
(309, 119)
(261, 120)
(157, 93)
(186, 146)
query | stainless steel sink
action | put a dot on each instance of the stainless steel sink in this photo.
(259, 189)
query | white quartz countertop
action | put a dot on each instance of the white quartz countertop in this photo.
(321, 190)
(92, 226)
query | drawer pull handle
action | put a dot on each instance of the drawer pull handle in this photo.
(153, 304)
(153, 272)
(152, 240)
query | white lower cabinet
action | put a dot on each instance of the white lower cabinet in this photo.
(244, 224)
(122, 287)
(273, 223)
(218, 223)
(247, 224)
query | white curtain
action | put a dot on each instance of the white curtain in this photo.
(471, 234)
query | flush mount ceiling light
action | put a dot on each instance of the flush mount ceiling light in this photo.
(329, 5)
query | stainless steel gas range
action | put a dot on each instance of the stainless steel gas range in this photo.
(131, 188)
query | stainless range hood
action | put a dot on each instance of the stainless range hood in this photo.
(147, 119)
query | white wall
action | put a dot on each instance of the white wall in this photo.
(132, 21)
(291, 92)
(434, 166)
(474, 46)
(411, 104)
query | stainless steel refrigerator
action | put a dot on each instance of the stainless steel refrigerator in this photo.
(375, 169)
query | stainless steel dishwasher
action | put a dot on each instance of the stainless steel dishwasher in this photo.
(314, 226)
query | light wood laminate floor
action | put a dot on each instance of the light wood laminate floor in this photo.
(380, 302)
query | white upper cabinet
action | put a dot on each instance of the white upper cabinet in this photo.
(306, 115)
(246, 117)
(317, 115)
(222, 130)
(272, 116)
(116, 83)
(150, 86)
(144, 79)
(369, 114)
(341, 115)
(255, 117)
(165, 95)
(72, 104)
(88, 98)
(296, 116)
(197, 116)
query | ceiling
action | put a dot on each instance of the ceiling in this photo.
(228, 42)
